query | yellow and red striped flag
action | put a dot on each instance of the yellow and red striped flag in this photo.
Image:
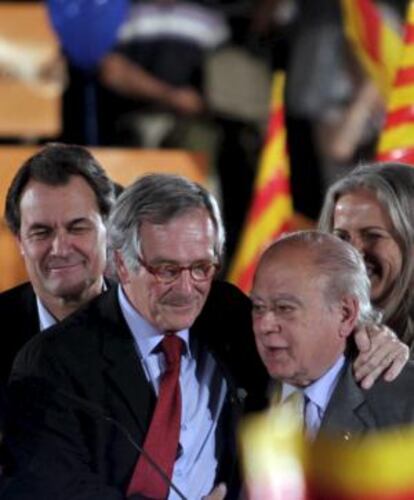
(271, 210)
(376, 44)
(272, 447)
(396, 142)
(280, 463)
(373, 467)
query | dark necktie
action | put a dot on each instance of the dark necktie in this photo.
(162, 438)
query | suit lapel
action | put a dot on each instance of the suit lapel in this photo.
(30, 320)
(126, 377)
(348, 412)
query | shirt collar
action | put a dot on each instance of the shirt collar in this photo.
(46, 319)
(146, 336)
(321, 390)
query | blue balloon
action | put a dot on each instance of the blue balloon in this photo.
(87, 29)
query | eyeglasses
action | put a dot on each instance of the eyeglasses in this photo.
(167, 273)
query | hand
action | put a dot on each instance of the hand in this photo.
(186, 100)
(218, 493)
(380, 352)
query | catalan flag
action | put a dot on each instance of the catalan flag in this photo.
(374, 467)
(271, 444)
(279, 463)
(397, 138)
(376, 44)
(271, 210)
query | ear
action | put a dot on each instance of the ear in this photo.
(121, 268)
(19, 244)
(349, 310)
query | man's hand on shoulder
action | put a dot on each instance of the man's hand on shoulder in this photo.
(380, 353)
(218, 493)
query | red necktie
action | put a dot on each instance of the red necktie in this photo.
(161, 441)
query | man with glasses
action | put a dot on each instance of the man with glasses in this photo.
(137, 395)
(166, 241)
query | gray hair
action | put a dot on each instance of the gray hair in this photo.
(157, 199)
(393, 185)
(339, 262)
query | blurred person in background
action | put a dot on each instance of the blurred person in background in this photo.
(152, 81)
(334, 111)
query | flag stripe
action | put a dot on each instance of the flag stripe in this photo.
(409, 33)
(278, 185)
(398, 117)
(401, 136)
(397, 137)
(257, 236)
(271, 208)
(275, 125)
(376, 44)
(404, 76)
(371, 28)
(404, 155)
(401, 97)
(246, 274)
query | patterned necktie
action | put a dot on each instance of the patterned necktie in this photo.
(162, 438)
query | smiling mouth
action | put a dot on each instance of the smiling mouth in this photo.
(373, 269)
(64, 267)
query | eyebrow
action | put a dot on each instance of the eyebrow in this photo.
(363, 228)
(39, 225)
(284, 296)
(79, 220)
(43, 225)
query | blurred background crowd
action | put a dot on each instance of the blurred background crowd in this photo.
(196, 75)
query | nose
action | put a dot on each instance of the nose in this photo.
(184, 282)
(60, 244)
(358, 243)
(266, 323)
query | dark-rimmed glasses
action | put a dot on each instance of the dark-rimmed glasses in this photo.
(168, 272)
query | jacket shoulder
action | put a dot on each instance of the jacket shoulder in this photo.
(394, 400)
(16, 296)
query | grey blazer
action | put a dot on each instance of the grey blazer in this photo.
(354, 411)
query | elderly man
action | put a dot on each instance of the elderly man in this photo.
(168, 339)
(138, 393)
(56, 207)
(310, 292)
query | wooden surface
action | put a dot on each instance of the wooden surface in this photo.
(30, 106)
(122, 165)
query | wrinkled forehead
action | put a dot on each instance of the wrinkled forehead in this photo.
(283, 266)
(189, 236)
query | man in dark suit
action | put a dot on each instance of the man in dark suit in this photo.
(56, 207)
(88, 393)
(166, 239)
(310, 292)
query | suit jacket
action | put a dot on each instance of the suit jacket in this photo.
(18, 310)
(353, 411)
(64, 450)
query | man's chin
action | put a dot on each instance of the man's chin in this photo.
(70, 292)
